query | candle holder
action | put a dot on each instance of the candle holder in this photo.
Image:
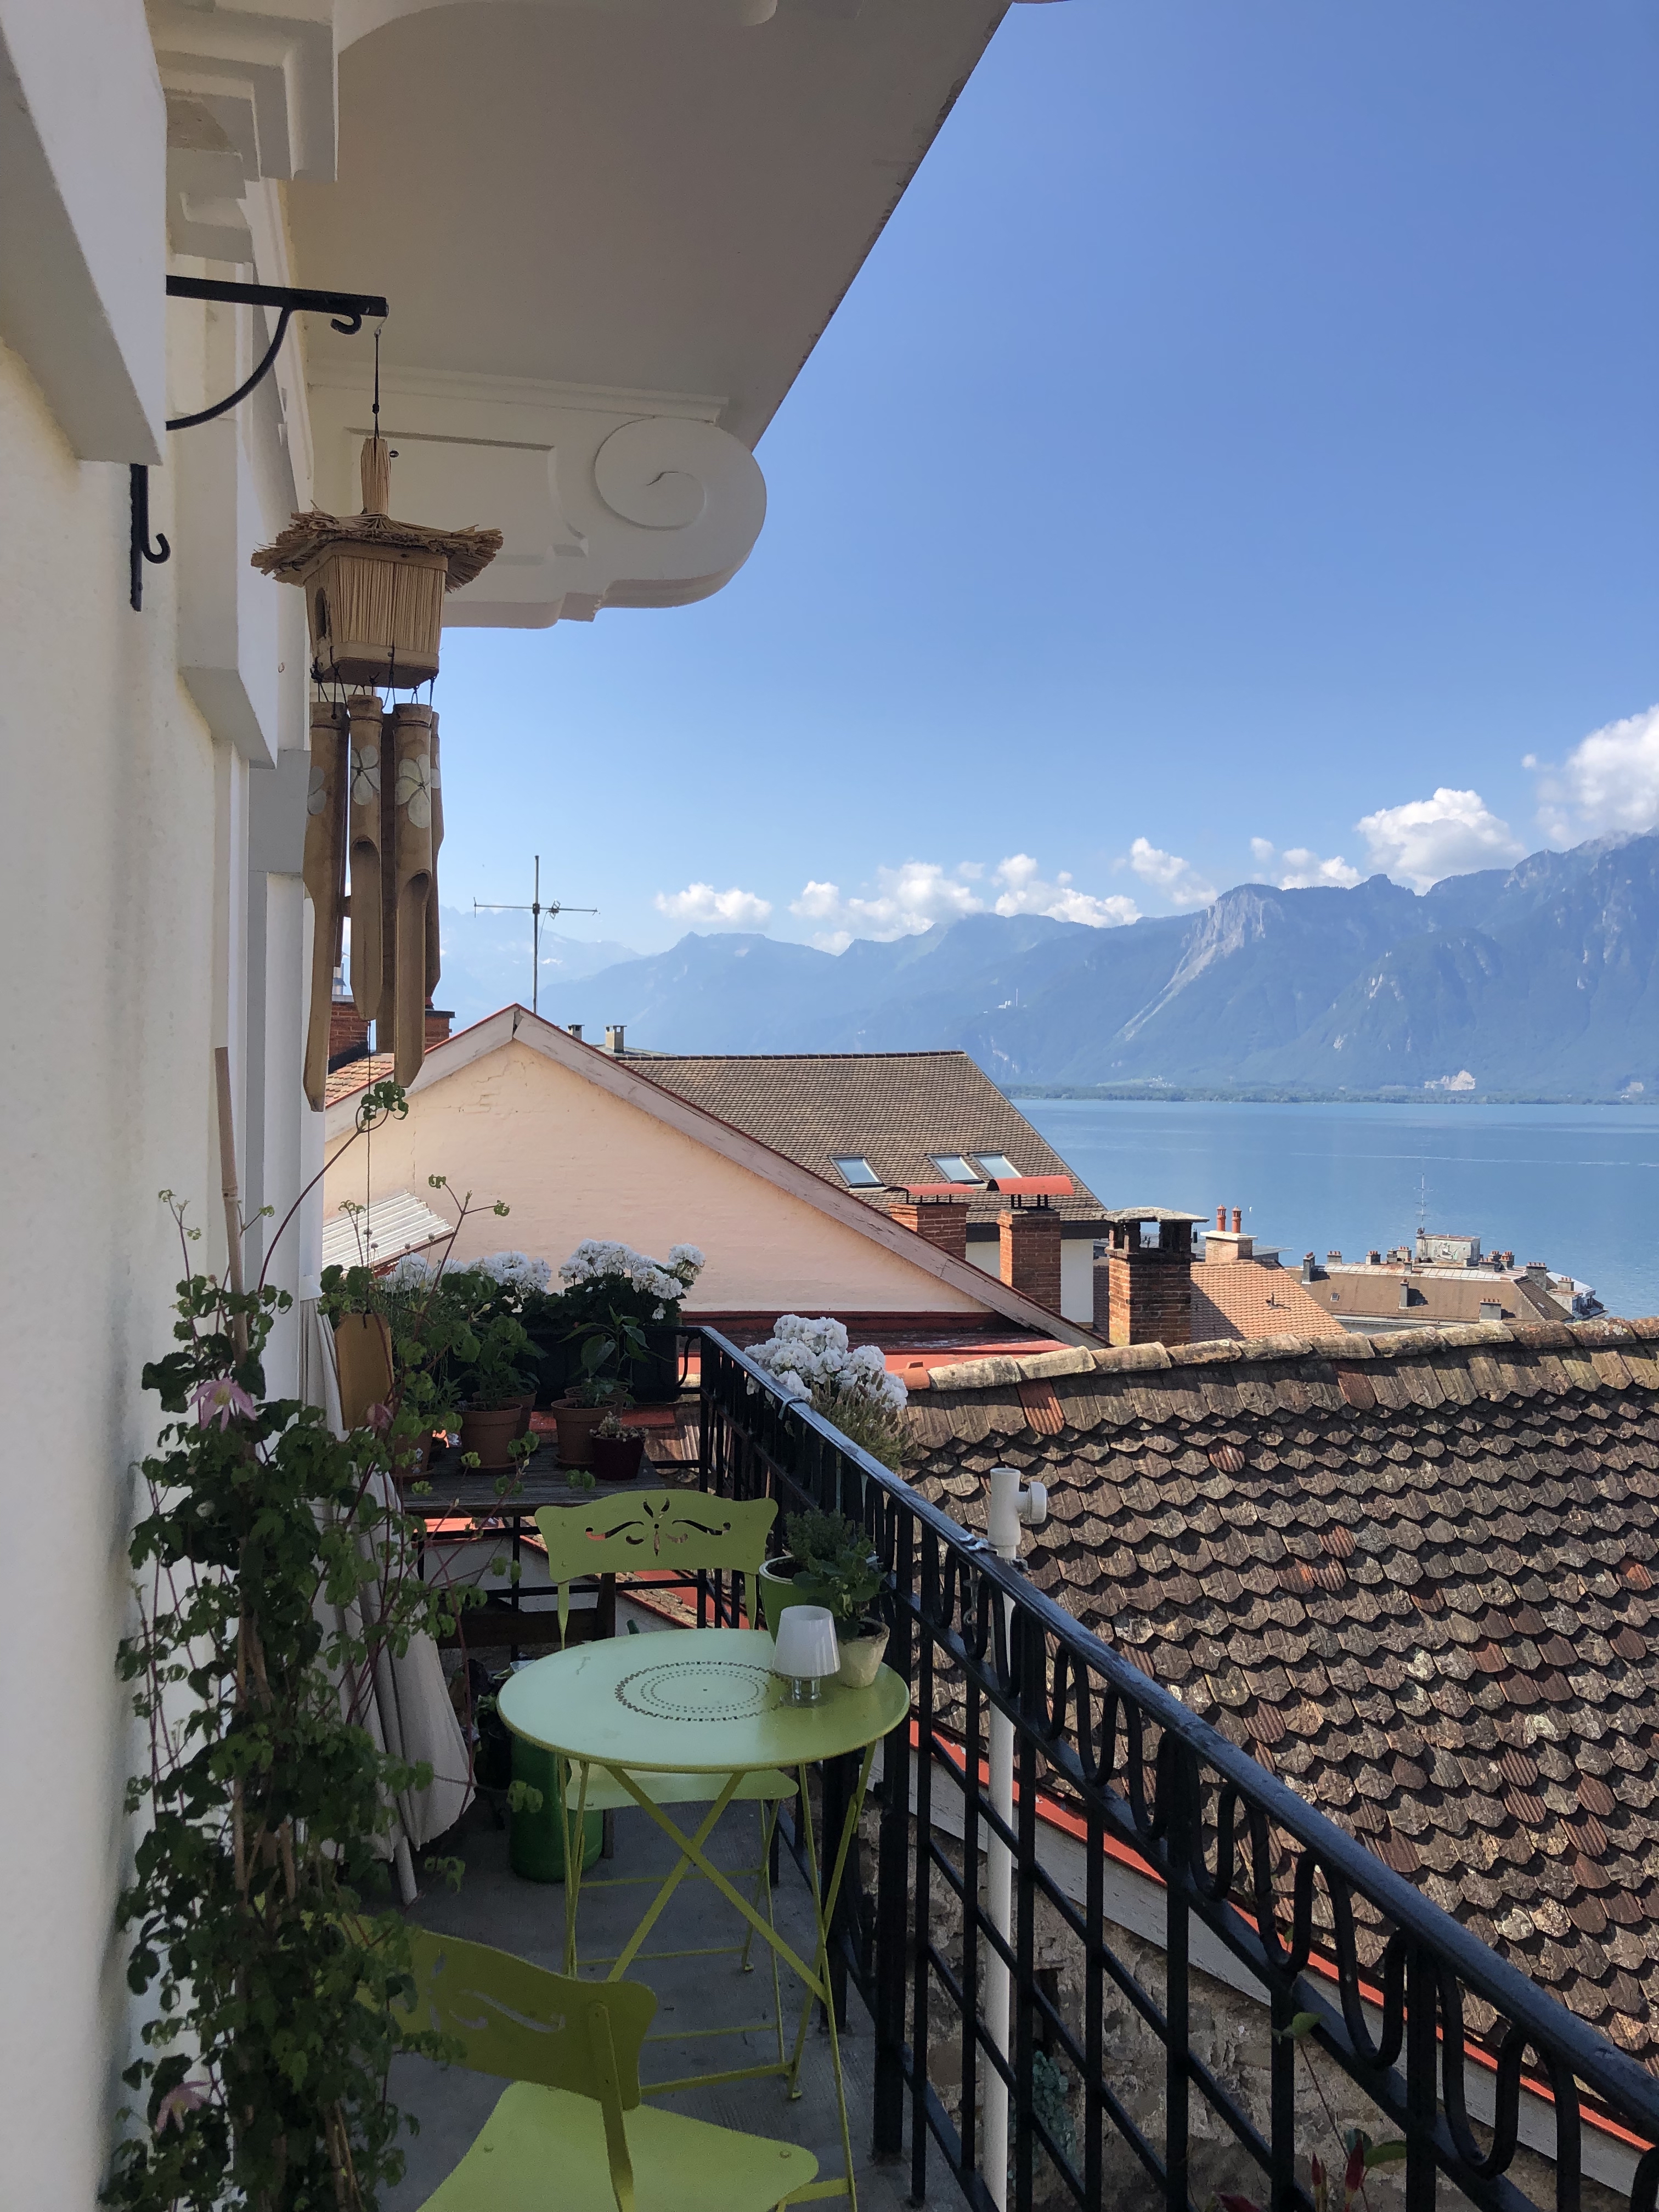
(805, 1652)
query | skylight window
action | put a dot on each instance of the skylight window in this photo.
(856, 1172)
(954, 1168)
(999, 1166)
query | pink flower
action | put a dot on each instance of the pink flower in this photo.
(380, 1418)
(220, 1399)
(185, 2097)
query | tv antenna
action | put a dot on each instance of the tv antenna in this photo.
(536, 909)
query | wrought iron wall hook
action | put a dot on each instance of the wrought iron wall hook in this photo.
(139, 550)
(347, 311)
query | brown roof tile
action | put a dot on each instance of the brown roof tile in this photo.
(1431, 1600)
(893, 1108)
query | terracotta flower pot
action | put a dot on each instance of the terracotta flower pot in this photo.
(489, 1433)
(616, 1459)
(527, 1407)
(576, 1424)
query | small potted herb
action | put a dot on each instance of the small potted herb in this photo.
(617, 1451)
(830, 1563)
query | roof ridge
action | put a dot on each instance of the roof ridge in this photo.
(1605, 1334)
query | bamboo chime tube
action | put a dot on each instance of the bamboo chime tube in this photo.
(412, 851)
(323, 867)
(367, 749)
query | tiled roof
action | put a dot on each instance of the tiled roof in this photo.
(893, 1108)
(1439, 1295)
(357, 1075)
(1418, 1575)
(1239, 1298)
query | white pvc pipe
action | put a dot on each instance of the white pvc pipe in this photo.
(1004, 1532)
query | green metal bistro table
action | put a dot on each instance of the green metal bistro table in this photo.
(704, 1701)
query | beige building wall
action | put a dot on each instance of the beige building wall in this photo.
(573, 1162)
(110, 906)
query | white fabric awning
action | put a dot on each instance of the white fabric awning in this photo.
(372, 1238)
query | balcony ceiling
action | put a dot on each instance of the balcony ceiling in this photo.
(656, 198)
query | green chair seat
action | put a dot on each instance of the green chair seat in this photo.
(571, 2134)
(766, 1786)
(542, 2149)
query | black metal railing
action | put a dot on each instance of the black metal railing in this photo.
(1349, 1958)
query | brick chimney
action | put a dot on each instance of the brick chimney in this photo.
(1143, 1292)
(348, 1034)
(1224, 1245)
(1029, 1256)
(613, 1040)
(942, 1221)
(576, 1031)
(437, 1025)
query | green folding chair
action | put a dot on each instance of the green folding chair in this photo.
(571, 2131)
(690, 1532)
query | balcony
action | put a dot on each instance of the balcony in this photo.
(1175, 1979)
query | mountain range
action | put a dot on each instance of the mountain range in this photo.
(1538, 980)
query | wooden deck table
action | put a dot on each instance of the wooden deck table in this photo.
(467, 1495)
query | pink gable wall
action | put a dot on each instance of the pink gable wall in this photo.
(573, 1162)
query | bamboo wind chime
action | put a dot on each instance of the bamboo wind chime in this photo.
(374, 590)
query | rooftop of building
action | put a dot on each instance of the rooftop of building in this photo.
(918, 1119)
(1415, 1574)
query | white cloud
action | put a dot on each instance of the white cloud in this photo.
(1024, 891)
(908, 899)
(1297, 869)
(922, 893)
(1610, 781)
(702, 903)
(1176, 878)
(1450, 835)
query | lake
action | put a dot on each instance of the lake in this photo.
(1574, 1186)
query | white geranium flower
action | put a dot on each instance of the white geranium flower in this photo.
(597, 1260)
(365, 775)
(515, 1270)
(413, 789)
(411, 1272)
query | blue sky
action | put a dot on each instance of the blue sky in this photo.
(1242, 431)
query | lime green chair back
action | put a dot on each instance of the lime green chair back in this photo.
(529, 2024)
(687, 1529)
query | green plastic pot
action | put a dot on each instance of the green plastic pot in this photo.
(781, 1584)
(536, 1840)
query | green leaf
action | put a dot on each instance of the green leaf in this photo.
(1384, 2154)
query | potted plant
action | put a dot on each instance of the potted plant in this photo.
(830, 1563)
(603, 1280)
(606, 1347)
(617, 1451)
(494, 1408)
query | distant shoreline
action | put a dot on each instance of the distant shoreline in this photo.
(1198, 1094)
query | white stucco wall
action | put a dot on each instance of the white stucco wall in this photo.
(573, 1162)
(142, 932)
(107, 792)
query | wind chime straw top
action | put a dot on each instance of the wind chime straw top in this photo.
(467, 552)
